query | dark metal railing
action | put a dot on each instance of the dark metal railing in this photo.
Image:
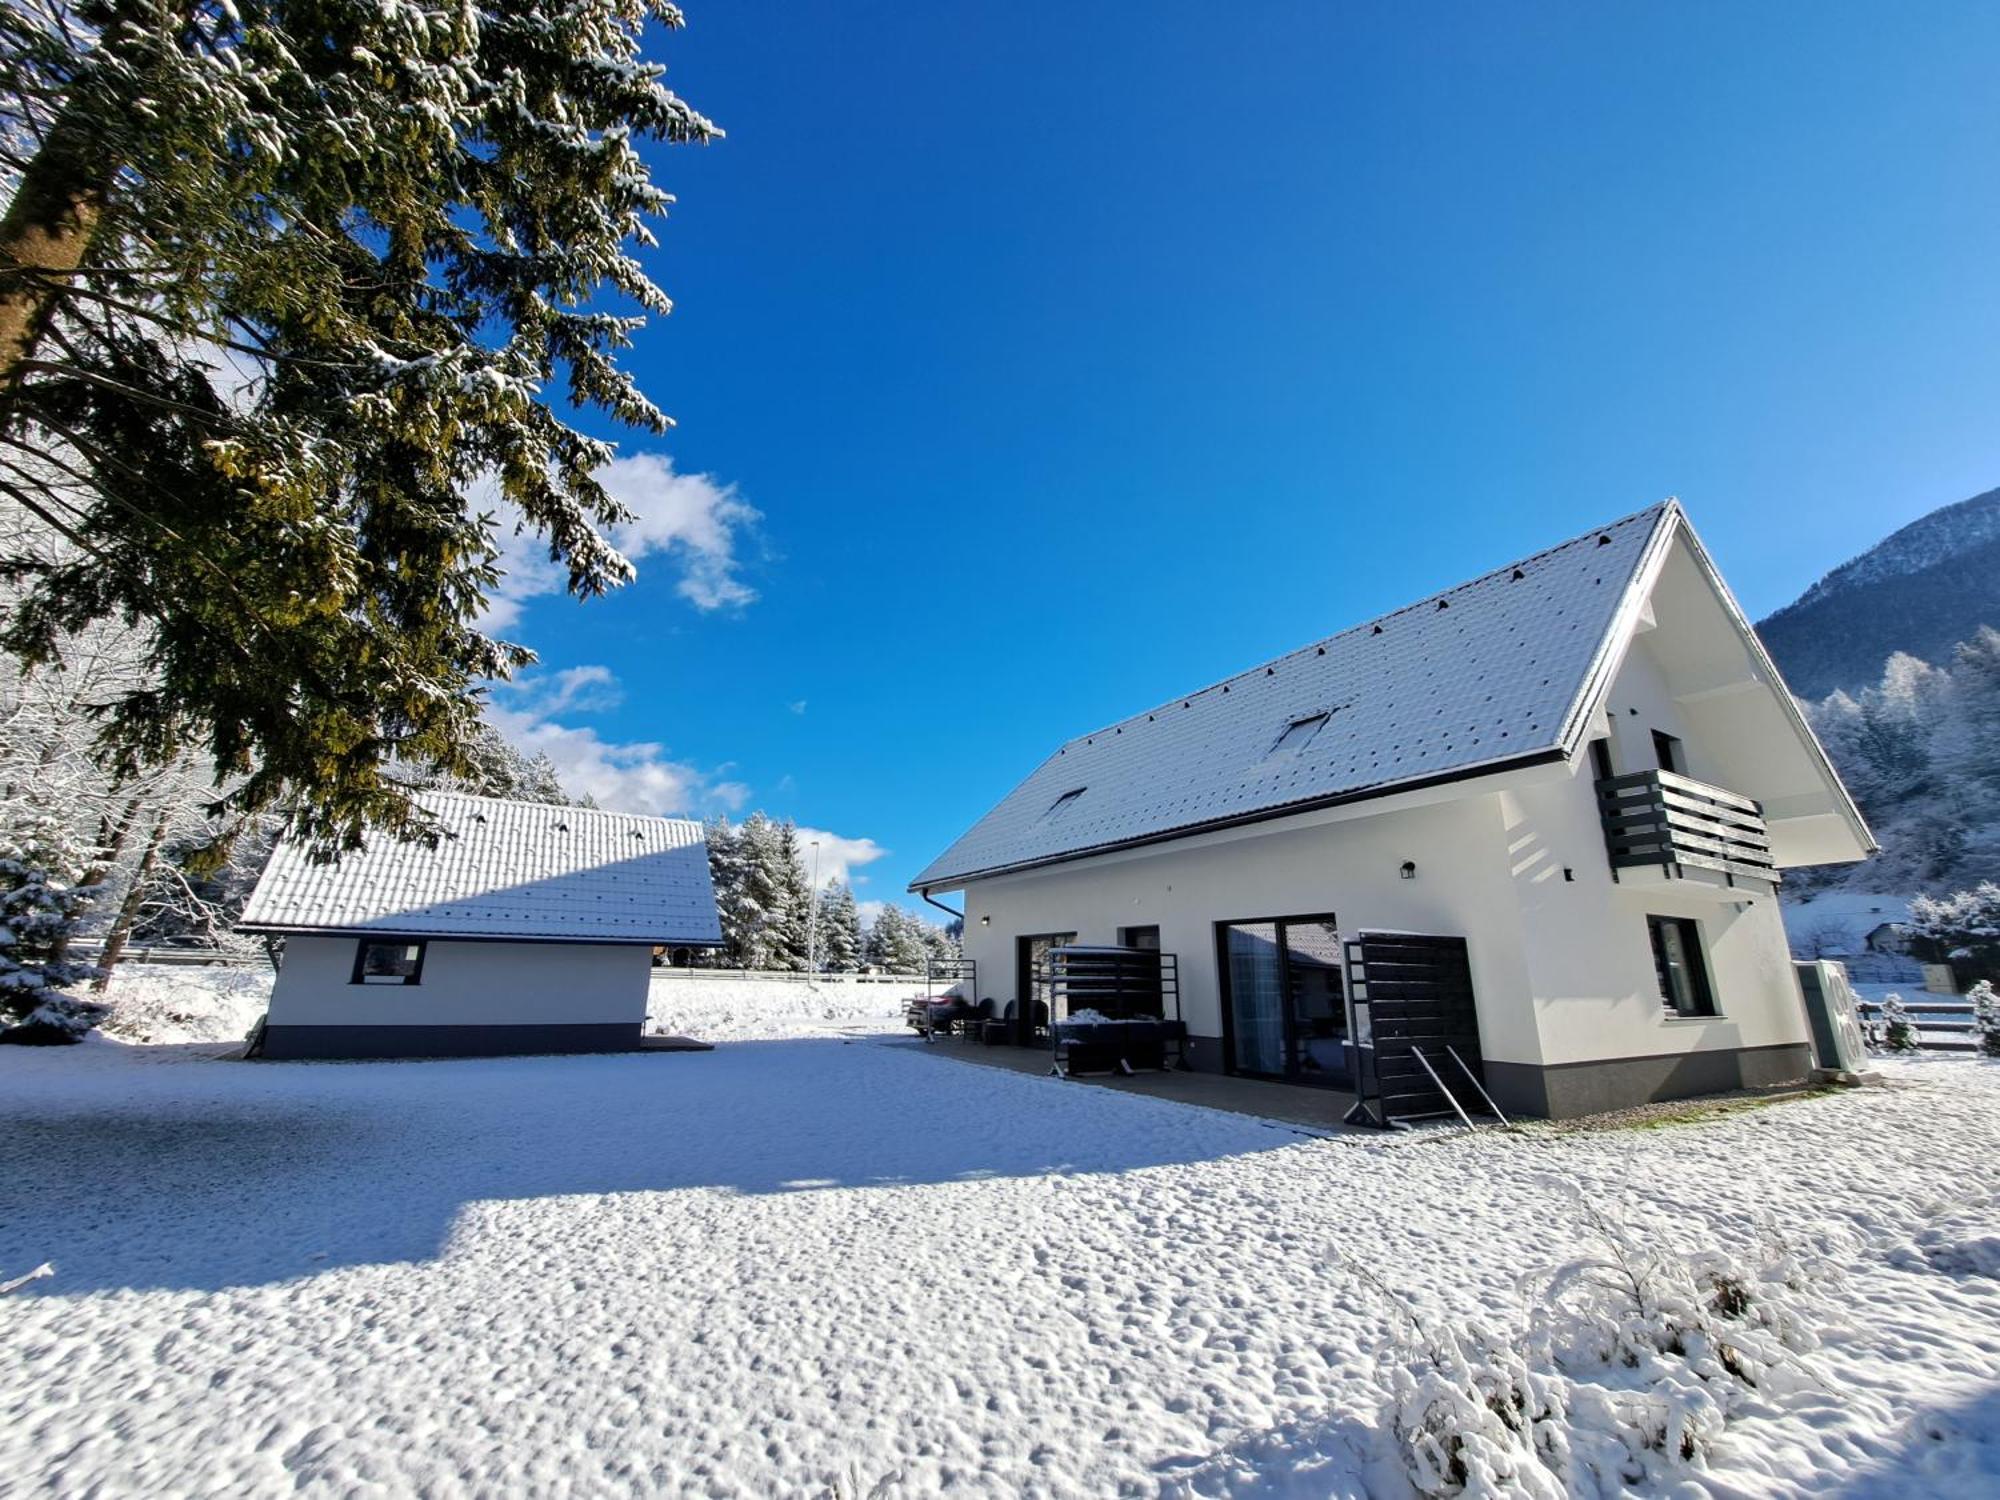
(1660, 818)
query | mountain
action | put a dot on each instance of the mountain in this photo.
(1922, 590)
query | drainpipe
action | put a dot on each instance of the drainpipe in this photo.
(942, 907)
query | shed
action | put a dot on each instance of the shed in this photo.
(528, 927)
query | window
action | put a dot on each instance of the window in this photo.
(1677, 960)
(1284, 1002)
(1667, 751)
(1139, 937)
(1063, 804)
(1600, 759)
(388, 963)
(1298, 734)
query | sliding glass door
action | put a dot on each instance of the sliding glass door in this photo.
(1284, 1004)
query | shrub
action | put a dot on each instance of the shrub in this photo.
(1899, 1032)
(1985, 1017)
(1630, 1365)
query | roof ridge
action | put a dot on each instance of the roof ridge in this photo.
(440, 795)
(1659, 508)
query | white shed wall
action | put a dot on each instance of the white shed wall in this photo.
(466, 983)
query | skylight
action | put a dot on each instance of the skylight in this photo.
(1063, 803)
(1298, 734)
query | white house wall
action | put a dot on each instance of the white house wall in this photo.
(474, 997)
(1350, 868)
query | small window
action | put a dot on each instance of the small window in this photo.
(1299, 734)
(1680, 967)
(1139, 937)
(1600, 759)
(1063, 803)
(388, 963)
(1667, 751)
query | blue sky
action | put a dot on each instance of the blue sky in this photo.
(1032, 367)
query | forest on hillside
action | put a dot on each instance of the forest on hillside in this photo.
(1920, 751)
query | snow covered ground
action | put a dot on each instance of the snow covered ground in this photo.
(842, 1266)
(719, 1008)
(185, 1002)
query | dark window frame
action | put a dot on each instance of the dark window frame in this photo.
(1125, 935)
(1669, 752)
(1600, 758)
(361, 947)
(1279, 925)
(1027, 988)
(1701, 986)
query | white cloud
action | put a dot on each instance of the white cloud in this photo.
(691, 522)
(838, 856)
(636, 776)
(797, 707)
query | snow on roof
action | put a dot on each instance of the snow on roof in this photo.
(1484, 675)
(1842, 920)
(504, 869)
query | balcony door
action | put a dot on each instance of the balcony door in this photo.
(1284, 1005)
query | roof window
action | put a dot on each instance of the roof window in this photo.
(1063, 804)
(1299, 733)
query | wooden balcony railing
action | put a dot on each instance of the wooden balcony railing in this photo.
(1657, 819)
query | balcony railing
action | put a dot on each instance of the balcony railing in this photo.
(1674, 826)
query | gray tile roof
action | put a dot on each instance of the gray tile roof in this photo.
(1485, 674)
(505, 869)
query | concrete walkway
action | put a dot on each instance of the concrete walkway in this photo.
(1315, 1109)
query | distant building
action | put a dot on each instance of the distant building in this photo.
(1539, 818)
(529, 928)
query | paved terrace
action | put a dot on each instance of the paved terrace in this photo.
(1315, 1109)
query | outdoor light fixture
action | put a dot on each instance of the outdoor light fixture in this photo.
(1409, 869)
(985, 921)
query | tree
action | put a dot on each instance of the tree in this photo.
(279, 282)
(1961, 929)
(895, 942)
(839, 930)
(1985, 1017)
(494, 768)
(42, 893)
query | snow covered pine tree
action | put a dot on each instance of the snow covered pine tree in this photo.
(398, 222)
(41, 896)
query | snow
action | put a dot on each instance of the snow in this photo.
(1839, 921)
(185, 1003)
(718, 1008)
(844, 1264)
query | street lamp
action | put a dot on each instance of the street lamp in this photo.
(812, 917)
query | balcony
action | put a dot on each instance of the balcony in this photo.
(1660, 827)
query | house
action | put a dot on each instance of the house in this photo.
(1851, 925)
(527, 928)
(1554, 803)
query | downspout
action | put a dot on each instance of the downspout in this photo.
(942, 907)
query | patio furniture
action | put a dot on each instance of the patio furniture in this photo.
(1101, 1044)
(1119, 1010)
(994, 1033)
(941, 1016)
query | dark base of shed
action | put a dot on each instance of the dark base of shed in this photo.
(1568, 1090)
(349, 1042)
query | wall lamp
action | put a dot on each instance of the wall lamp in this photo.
(985, 921)
(1409, 869)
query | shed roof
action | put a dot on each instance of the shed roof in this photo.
(521, 870)
(1493, 673)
